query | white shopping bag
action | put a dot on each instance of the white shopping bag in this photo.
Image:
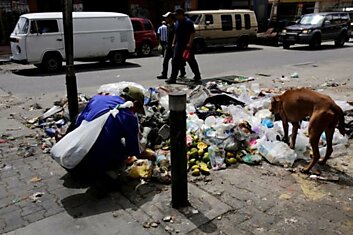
(71, 149)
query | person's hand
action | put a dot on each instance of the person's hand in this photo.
(173, 45)
(148, 154)
(130, 160)
(188, 46)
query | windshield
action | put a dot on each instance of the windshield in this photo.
(312, 19)
(195, 18)
(22, 26)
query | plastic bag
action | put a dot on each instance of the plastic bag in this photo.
(198, 96)
(71, 149)
(118, 87)
(186, 54)
(277, 153)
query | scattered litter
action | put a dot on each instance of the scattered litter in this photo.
(167, 219)
(154, 225)
(36, 179)
(294, 75)
(263, 74)
(35, 196)
(317, 177)
(168, 229)
(290, 221)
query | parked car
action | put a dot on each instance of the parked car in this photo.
(223, 27)
(315, 28)
(145, 36)
(38, 38)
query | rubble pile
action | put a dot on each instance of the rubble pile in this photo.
(227, 124)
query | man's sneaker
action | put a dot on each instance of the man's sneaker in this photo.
(197, 78)
(161, 77)
(182, 76)
(171, 81)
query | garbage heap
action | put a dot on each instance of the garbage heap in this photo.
(227, 124)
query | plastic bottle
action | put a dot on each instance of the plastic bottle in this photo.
(216, 157)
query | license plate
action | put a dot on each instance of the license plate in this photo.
(291, 37)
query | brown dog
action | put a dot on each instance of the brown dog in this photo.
(294, 105)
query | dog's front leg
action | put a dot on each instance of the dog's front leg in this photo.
(285, 129)
(294, 134)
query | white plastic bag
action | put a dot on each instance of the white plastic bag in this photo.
(118, 87)
(71, 149)
(277, 153)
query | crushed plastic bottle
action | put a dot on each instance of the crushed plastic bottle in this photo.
(216, 157)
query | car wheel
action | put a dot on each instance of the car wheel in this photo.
(51, 63)
(199, 46)
(315, 42)
(243, 43)
(286, 45)
(117, 57)
(339, 42)
(146, 49)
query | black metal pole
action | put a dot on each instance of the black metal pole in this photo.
(177, 106)
(71, 86)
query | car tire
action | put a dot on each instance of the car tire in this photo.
(52, 62)
(145, 49)
(315, 42)
(243, 43)
(117, 57)
(199, 46)
(339, 42)
(286, 45)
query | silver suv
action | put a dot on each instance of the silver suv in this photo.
(315, 28)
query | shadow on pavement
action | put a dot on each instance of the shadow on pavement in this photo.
(328, 173)
(321, 48)
(216, 50)
(104, 194)
(80, 68)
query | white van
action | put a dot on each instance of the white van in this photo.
(223, 27)
(38, 38)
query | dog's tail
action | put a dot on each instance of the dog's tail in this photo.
(340, 114)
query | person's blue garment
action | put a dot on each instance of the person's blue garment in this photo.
(109, 152)
(183, 30)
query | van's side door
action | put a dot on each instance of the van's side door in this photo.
(210, 31)
(44, 35)
(227, 26)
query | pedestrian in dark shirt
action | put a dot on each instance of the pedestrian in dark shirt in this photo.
(183, 39)
(168, 54)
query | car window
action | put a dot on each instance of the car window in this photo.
(147, 25)
(237, 22)
(136, 25)
(312, 19)
(328, 20)
(44, 26)
(22, 26)
(336, 19)
(209, 19)
(195, 18)
(247, 21)
(227, 23)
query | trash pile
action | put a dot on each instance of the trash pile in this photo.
(226, 124)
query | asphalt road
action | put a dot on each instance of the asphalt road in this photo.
(28, 81)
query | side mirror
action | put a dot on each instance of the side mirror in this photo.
(208, 22)
(326, 22)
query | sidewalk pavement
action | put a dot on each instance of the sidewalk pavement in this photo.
(38, 197)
